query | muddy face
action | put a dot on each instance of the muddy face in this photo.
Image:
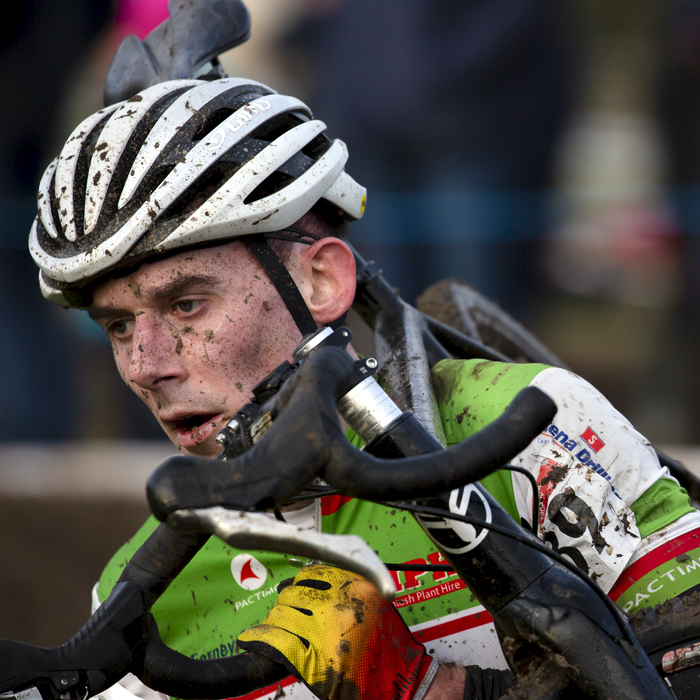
(193, 334)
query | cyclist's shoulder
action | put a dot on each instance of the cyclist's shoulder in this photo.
(472, 393)
(481, 376)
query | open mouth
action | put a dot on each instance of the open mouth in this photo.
(193, 422)
(194, 429)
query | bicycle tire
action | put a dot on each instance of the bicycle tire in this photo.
(461, 307)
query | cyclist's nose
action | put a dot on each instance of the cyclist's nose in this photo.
(155, 353)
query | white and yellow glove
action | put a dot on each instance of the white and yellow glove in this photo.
(332, 630)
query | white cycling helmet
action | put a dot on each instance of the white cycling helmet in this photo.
(182, 163)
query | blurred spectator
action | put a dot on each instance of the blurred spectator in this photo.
(41, 44)
(53, 60)
(451, 110)
(139, 17)
(678, 101)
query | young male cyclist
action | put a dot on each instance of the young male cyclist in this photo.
(201, 225)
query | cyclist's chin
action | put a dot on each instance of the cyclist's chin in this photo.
(199, 448)
(208, 448)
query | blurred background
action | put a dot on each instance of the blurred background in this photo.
(546, 153)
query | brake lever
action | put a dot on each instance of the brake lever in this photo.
(258, 531)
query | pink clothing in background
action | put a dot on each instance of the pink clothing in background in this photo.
(140, 16)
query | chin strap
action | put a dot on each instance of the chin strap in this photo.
(284, 284)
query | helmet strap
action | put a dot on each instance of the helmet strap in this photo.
(284, 284)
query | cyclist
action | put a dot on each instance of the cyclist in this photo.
(201, 224)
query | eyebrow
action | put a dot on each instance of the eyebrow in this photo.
(181, 285)
(103, 313)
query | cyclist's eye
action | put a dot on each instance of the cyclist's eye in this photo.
(187, 306)
(119, 327)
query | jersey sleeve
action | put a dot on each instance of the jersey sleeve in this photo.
(590, 464)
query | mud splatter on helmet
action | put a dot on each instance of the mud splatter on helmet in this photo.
(182, 163)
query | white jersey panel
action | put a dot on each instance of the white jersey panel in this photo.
(591, 465)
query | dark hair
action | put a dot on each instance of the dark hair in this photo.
(322, 221)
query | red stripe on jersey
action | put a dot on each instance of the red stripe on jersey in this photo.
(331, 504)
(461, 624)
(663, 553)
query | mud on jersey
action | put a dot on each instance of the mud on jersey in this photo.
(602, 497)
(604, 500)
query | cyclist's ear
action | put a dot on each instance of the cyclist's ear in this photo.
(325, 275)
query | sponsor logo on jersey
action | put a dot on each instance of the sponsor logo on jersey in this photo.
(583, 455)
(561, 438)
(592, 439)
(420, 584)
(674, 566)
(673, 578)
(248, 572)
(429, 593)
(408, 580)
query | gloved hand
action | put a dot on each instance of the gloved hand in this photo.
(332, 630)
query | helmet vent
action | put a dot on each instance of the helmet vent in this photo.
(273, 183)
(109, 207)
(81, 172)
(213, 120)
(197, 193)
(317, 147)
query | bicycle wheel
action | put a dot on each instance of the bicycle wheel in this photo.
(461, 307)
